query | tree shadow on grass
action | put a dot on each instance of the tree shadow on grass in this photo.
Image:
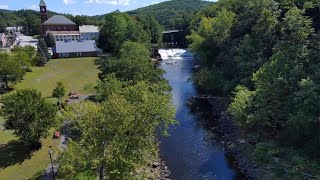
(37, 176)
(15, 152)
(5, 90)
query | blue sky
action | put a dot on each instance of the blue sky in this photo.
(78, 7)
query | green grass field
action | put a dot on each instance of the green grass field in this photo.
(5, 136)
(77, 73)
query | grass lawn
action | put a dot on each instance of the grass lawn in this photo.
(5, 136)
(16, 163)
(77, 74)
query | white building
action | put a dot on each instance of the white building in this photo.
(65, 35)
(14, 29)
(89, 32)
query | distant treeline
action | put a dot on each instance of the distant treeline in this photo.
(175, 14)
(30, 20)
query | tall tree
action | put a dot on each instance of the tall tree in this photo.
(59, 91)
(49, 40)
(124, 128)
(11, 69)
(133, 63)
(120, 27)
(43, 48)
(28, 114)
(152, 27)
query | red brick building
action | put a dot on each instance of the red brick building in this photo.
(56, 22)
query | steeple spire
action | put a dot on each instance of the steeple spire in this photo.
(42, 3)
(43, 11)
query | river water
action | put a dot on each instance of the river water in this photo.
(188, 151)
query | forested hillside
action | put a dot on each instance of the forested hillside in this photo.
(174, 14)
(267, 54)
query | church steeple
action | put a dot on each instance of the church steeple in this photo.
(43, 11)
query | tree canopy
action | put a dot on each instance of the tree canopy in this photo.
(267, 52)
(119, 133)
(59, 91)
(120, 27)
(28, 114)
(11, 70)
(173, 14)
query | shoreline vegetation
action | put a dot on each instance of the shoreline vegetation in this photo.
(114, 136)
(14, 153)
(264, 57)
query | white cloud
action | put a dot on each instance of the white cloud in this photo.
(69, 2)
(113, 2)
(33, 7)
(4, 6)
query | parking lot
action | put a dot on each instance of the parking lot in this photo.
(24, 40)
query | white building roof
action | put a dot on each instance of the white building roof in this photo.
(88, 29)
(76, 46)
(55, 33)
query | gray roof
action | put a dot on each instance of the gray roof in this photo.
(88, 29)
(58, 20)
(76, 46)
(42, 3)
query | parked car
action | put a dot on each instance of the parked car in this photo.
(72, 93)
(75, 96)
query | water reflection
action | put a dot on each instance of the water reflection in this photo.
(191, 152)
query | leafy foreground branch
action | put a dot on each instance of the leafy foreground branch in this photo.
(116, 138)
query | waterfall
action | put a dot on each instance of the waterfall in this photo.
(175, 54)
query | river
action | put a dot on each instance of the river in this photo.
(188, 151)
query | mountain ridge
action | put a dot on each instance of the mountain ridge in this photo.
(173, 14)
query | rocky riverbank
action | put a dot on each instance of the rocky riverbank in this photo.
(231, 138)
(159, 170)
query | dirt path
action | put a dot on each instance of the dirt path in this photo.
(62, 144)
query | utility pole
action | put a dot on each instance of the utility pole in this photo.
(54, 178)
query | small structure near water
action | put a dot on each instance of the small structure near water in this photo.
(174, 39)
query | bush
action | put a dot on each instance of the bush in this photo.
(240, 106)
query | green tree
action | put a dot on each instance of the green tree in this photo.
(41, 58)
(28, 114)
(152, 27)
(11, 69)
(59, 91)
(133, 63)
(32, 24)
(124, 128)
(29, 50)
(43, 48)
(49, 40)
(120, 27)
(2, 27)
